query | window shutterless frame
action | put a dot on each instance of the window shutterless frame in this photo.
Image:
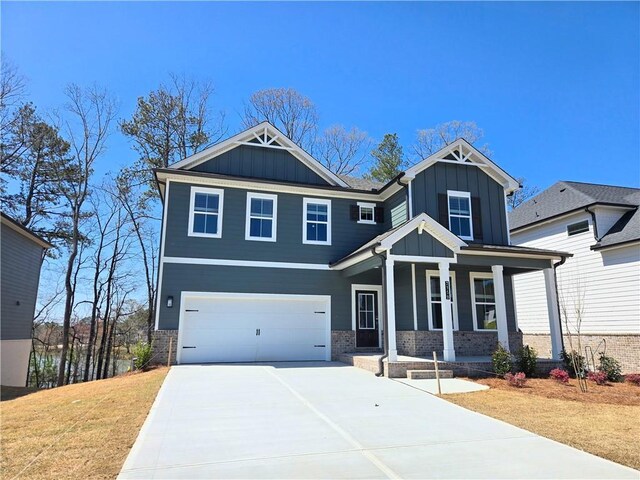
(430, 302)
(480, 276)
(460, 195)
(578, 227)
(273, 218)
(192, 211)
(366, 213)
(306, 203)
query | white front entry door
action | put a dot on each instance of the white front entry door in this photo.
(217, 327)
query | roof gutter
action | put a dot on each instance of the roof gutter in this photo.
(595, 223)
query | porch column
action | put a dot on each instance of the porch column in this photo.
(449, 352)
(501, 305)
(554, 314)
(391, 310)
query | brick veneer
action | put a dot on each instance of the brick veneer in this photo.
(160, 346)
(624, 348)
(342, 341)
(467, 344)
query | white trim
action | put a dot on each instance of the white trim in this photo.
(413, 296)
(501, 305)
(272, 131)
(472, 277)
(26, 233)
(506, 215)
(460, 194)
(315, 201)
(410, 199)
(274, 217)
(244, 263)
(326, 298)
(454, 293)
(449, 351)
(631, 243)
(418, 259)
(428, 224)
(208, 191)
(390, 310)
(165, 207)
(372, 206)
(511, 254)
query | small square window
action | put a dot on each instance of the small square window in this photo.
(366, 212)
(576, 228)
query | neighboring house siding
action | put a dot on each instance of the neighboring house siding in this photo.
(260, 162)
(421, 245)
(20, 273)
(347, 234)
(396, 210)
(441, 177)
(606, 217)
(607, 281)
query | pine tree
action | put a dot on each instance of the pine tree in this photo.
(388, 159)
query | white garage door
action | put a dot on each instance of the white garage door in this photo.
(218, 327)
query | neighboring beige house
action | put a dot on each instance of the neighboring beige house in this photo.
(600, 284)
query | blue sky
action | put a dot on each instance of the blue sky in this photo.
(555, 86)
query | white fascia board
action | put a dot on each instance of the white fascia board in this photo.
(26, 234)
(432, 227)
(549, 257)
(244, 263)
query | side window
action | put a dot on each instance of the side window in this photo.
(205, 212)
(316, 225)
(262, 213)
(576, 228)
(460, 221)
(484, 302)
(434, 298)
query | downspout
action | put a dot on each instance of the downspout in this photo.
(385, 343)
(595, 224)
(406, 189)
(555, 283)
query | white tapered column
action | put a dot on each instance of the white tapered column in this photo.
(449, 352)
(501, 305)
(554, 313)
(391, 310)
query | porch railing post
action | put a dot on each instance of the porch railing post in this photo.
(449, 352)
(391, 310)
(501, 305)
(554, 314)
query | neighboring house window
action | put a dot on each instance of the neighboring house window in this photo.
(576, 228)
(435, 300)
(366, 212)
(460, 214)
(262, 213)
(484, 302)
(205, 212)
(317, 221)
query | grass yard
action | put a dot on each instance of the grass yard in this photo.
(604, 421)
(79, 431)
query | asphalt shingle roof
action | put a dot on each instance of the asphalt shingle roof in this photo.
(361, 183)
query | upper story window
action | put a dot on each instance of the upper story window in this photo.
(460, 214)
(262, 211)
(579, 227)
(316, 227)
(205, 212)
(366, 212)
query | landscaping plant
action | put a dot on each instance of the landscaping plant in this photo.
(633, 378)
(574, 363)
(518, 380)
(501, 359)
(599, 377)
(559, 375)
(611, 367)
(527, 358)
(142, 355)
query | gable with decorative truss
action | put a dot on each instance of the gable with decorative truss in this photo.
(261, 152)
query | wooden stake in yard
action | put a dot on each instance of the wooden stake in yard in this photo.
(435, 362)
(170, 346)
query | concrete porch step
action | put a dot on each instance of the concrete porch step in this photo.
(428, 374)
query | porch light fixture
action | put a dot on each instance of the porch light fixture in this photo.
(169, 302)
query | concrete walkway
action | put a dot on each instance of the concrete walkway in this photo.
(447, 385)
(327, 420)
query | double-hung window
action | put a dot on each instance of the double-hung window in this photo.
(205, 212)
(460, 214)
(262, 212)
(484, 302)
(316, 226)
(435, 300)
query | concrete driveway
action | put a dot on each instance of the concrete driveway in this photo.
(328, 420)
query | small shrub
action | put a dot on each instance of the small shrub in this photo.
(559, 375)
(633, 378)
(518, 380)
(501, 359)
(142, 355)
(527, 358)
(611, 367)
(568, 360)
(599, 377)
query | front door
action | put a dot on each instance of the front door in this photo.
(366, 318)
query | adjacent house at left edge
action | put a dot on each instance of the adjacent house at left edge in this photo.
(266, 255)
(21, 253)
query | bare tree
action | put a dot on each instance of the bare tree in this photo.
(522, 195)
(12, 84)
(343, 151)
(90, 112)
(430, 140)
(288, 110)
(572, 306)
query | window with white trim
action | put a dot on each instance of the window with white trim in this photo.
(435, 300)
(460, 214)
(262, 212)
(366, 212)
(205, 212)
(484, 302)
(316, 226)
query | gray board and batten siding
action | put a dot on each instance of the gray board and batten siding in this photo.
(433, 182)
(20, 272)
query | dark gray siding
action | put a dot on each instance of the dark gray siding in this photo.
(347, 234)
(205, 278)
(422, 245)
(441, 177)
(395, 209)
(403, 296)
(20, 272)
(261, 162)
